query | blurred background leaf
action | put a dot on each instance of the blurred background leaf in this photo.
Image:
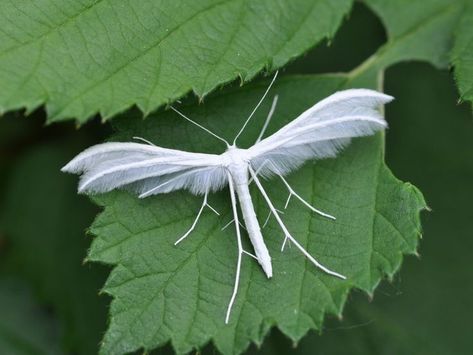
(25, 327)
(43, 222)
(462, 54)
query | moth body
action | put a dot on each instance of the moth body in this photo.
(237, 164)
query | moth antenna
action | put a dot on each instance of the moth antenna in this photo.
(198, 125)
(144, 140)
(256, 107)
(268, 118)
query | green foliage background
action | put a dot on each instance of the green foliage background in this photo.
(49, 300)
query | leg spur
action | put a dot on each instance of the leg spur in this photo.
(204, 204)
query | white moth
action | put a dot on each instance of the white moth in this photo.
(320, 132)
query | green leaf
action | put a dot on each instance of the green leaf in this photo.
(166, 293)
(81, 58)
(424, 30)
(416, 30)
(462, 55)
(43, 222)
(25, 328)
(409, 316)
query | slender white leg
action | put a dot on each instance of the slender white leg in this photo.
(269, 215)
(312, 208)
(249, 254)
(213, 209)
(308, 205)
(258, 170)
(287, 201)
(240, 248)
(204, 203)
(226, 225)
(229, 223)
(292, 192)
(284, 243)
(286, 232)
(266, 220)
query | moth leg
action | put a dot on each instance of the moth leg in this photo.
(258, 170)
(240, 249)
(228, 224)
(266, 222)
(269, 216)
(292, 192)
(204, 204)
(296, 195)
(304, 202)
(250, 254)
(286, 241)
(286, 232)
(213, 209)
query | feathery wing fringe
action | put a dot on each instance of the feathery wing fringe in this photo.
(321, 131)
(141, 167)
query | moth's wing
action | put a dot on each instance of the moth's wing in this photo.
(321, 131)
(142, 167)
(197, 180)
